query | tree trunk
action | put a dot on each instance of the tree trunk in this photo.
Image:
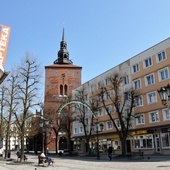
(6, 146)
(88, 147)
(123, 143)
(22, 144)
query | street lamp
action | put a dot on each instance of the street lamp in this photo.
(45, 124)
(164, 94)
(97, 134)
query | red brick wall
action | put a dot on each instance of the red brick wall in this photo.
(53, 79)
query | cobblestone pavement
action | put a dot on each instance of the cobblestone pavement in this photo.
(90, 163)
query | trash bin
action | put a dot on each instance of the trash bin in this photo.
(9, 154)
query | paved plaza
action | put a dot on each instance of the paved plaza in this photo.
(90, 163)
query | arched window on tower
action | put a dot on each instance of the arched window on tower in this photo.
(61, 89)
(65, 90)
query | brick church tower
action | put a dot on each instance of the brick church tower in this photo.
(60, 79)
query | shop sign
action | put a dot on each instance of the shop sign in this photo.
(164, 130)
(139, 132)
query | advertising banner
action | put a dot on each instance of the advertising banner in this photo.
(4, 38)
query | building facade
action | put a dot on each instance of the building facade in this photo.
(60, 79)
(146, 72)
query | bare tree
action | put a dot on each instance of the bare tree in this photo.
(123, 102)
(2, 104)
(11, 105)
(28, 98)
(85, 114)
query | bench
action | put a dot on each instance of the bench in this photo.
(139, 153)
(45, 160)
(19, 156)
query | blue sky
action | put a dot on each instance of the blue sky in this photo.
(100, 34)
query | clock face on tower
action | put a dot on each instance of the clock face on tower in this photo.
(63, 75)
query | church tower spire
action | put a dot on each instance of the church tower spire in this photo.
(63, 54)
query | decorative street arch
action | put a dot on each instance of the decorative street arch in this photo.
(73, 101)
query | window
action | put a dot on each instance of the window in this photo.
(86, 97)
(151, 97)
(143, 141)
(126, 80)
(99, 97)
(166, 114)
(109, 109)
(161, 56)
(117, 122)
(127, 96)
(86, 121)
(149, 79)
(109, 125)
(81, 129)
(107, 81)
(99, 85)
(100, 112)
(148, 62)
(99, 127)
(138, 101)
(165, 139)
(107, 95)
(116, 145)
(163, 74)
(92, 88)
(127, 112)
(65, 90)
(140, 119)
(75, 131)
(137, 84)
(61, 90)
(154, 117)
(135, 68)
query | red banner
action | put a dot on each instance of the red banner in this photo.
(4, 38)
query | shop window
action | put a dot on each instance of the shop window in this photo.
(116, 145)
(165, 139)
(143, 141)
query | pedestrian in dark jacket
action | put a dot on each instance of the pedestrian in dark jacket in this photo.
(110, 151)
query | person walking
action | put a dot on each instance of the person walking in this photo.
(110, 151)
